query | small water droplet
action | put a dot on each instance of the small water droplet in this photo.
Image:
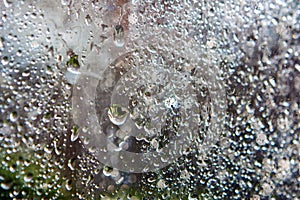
(123, 145)
(12, 168)
(57, 148)
(4, 60)
(88, 20)
(74, 134)
(26, 73)
(65, 2)
(68, 185)
(92, 149)
(19, 53)
(261, 139)
(71, 163)
(1, 42)
(28, 177)
(48, 149)
(107, 171)
(13, 116)
(6, 185)
(7, 3)
(119, 39)
(161, 183)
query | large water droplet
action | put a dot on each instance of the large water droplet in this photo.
(117, 114)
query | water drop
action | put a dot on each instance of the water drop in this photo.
(7, 3)
(12, 168)
(117, 114)
(48, 149)
(13, 116)
(7, 185)
(107, 171)
(71, 163)
(65, 2)
(74, 134)
(68, 185)
(28, 177)
(119, 36)
(123, 145)
(161, 183)
(4, 60)
(19, 53)
(88, 20)
(261, 139)
(1, 42)
(26, 73)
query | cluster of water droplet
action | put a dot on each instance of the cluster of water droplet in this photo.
(251, 47)
(35, 105)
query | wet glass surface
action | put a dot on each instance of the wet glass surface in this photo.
(130, 99)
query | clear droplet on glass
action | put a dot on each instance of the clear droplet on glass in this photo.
(6, 185)
(119, 39)
(117, 114)
(28, 177)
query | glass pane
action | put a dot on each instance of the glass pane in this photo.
(152, 99)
